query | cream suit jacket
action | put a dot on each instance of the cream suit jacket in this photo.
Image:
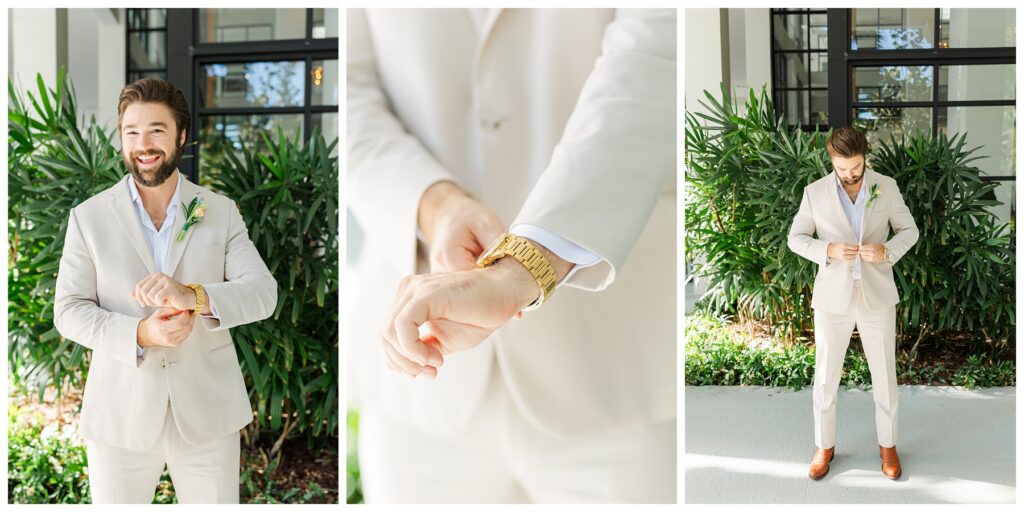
(821, 213)
(564, 119)
(105, 255)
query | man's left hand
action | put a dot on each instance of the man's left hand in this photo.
(872, 253)
(162, 291)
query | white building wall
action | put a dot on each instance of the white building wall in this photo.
(32, 43)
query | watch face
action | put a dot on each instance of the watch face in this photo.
(489, 253)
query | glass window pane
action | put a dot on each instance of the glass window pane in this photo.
(325, 23)
(791, 70)
(790, 31)
(819, 32)
(991, 128)
(819, 107)
(892, 83)
(324, 82)
(146, 18)
(222, 133)
(236, 25)
(819, 69)
(977, 82)
(328, 124)
(882, 123)
(977, 28)
(796, 108)
(892, 29)
(1006, 194)
(147, 50)
(253, 84)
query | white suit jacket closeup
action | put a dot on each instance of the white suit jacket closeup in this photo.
(105, 255)
(562, 119)
(821, 212)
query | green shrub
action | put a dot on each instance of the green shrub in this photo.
(745, 177)
(53, 164)
(978, 372)
(288, 197)
(44, 465)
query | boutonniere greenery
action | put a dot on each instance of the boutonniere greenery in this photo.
(875, 190)
(194, 212)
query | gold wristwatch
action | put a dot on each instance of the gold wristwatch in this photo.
(526, 253)
(200, 295)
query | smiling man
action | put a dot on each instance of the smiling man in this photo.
(154, 272)
(851, 210)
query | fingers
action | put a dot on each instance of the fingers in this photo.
(407, 334)
(144, 290)
(400, 336)
(396, 361)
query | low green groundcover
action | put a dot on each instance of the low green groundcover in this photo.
(719, 354)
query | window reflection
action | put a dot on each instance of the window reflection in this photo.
(324, 82)
(892, 29)
(240, 25)
(254, 84)
(885, 124)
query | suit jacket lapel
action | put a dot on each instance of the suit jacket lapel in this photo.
(834, 192)
(128, 219)
(485, 36)
(188, 192)
(869, 181)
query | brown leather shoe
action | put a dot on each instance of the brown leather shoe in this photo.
(819, 464)
(890, 462)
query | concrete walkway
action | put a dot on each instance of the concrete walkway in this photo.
(753, 445)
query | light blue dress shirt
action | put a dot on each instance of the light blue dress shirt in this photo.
(855, 214)
(159, 241)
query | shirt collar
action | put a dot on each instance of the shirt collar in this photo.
(137, 199)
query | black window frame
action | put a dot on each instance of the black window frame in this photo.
(130, 71)
(779, 92)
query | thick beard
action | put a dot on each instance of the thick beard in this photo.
(852, 181)
(166, 169)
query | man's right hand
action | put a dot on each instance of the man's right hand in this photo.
(842, 251)
(457, 227)
(166, 327)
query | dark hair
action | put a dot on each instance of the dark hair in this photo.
(847, 143)
(152, 90)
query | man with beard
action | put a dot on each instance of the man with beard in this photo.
(851, 210)
(154, 272)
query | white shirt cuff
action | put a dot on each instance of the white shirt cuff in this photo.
(139, 350)
(568, 251)
(213, 307)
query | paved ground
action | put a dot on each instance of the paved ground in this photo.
(753, 445)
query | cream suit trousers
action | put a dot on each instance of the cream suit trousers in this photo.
(203, 473)
(502, 458)
(831, 338)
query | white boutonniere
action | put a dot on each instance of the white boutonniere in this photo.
(194, 212)
(875, 190)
